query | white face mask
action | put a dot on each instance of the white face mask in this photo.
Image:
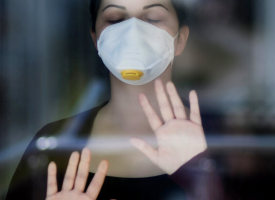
(135, 51)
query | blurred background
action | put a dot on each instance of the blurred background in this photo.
(49, 71)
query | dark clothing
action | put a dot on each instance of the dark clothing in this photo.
(56, 141)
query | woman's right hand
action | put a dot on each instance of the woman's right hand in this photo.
(74, 182)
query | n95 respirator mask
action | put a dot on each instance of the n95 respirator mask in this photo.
(135, 51)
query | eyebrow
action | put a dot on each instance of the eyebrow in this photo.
(144, 8)
(155, 5)
(116, 6)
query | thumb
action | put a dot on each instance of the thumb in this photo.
(145, 148)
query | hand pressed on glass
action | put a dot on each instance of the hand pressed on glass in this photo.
(75, 179)
(178, 138)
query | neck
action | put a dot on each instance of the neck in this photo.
(124, 107)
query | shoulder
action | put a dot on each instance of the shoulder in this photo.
(30, 178)
(77, 124)
(55, 128)
(63, 134)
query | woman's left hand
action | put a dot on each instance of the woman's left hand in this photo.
(179, 139)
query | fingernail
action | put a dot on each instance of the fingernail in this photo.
(104, 165)
(141, 95)
(158, 82)
(86, 151)
(170, 85)
(135, 142)
(75, 155)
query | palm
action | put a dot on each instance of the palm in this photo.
(71, 195)
(178, 138)
(177, 143)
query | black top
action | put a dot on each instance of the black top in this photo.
(30, 178)
(157, 187)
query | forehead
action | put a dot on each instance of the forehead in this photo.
(136, 5)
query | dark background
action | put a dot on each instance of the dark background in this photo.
(49, 70)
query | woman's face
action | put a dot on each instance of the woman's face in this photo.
(160, 13)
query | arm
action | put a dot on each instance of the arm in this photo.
(30, 178)
(199, 178)
(27, 175)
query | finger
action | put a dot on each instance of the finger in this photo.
(69, 178)
(163, 102)
(177, 104)
(52, 183)
(83, 170)
(150, 113)
(194, 108)
(145, 148)
(97, 182)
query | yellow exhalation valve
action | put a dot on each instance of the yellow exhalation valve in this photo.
(131, 74)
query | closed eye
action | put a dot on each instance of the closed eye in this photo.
(153, 21)
(115, 21)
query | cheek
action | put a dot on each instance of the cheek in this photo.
(100, 26)
(171, 27)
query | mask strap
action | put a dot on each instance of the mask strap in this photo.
(172, 61)
(177, 34)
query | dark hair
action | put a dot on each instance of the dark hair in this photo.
(179, 6)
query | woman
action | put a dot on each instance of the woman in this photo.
(137, 41)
